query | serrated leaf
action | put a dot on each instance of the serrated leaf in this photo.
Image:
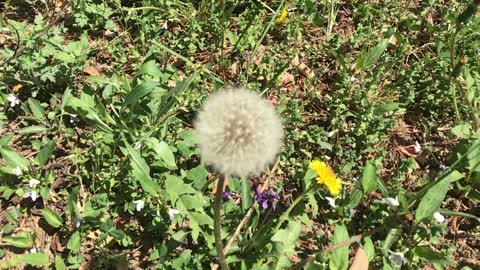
(52, 218)
(339, 257)
(369, 177)
(141, 171)
(37, 259)
(45, 153)
(435, 195)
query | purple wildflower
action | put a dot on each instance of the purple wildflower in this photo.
(264, 198)
(442, 167)
(227, 194)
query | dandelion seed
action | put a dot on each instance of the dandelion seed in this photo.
(13, 99)
(331, 201)
(17, 171)
(397, 258)
(33, 183)
(438, 217)
(139, 205)
(393, 202)
(282, 16)
(238, 132)
(172, 213)
(326, 176)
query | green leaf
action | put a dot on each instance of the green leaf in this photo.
(246, 194)
(285, 241)
(22, 240)
(371, 57)
(201, 218)
(73, 243)
(45, 153)
(13, 158)
(369, 248)
(354, 198)
(37, 109)
(339, 257)
(32, 129)
(369, 177)
(163, 151)
(59, 264)
(37, 259)
(141, 171)
(193, 201)
(140, 91)
(52, 218)
(434, 196)
(117, 234)
(427, 254)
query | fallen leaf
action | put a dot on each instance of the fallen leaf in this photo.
(92, 70)
(360, 261)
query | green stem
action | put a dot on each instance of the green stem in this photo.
(217, 225)
(452, 66)
(285, 214)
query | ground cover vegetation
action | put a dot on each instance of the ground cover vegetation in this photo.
(357, 145)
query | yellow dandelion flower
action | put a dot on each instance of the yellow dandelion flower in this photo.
(326, 176)
(282, 16)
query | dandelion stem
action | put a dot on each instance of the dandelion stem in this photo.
(294, 203)
(217, 225)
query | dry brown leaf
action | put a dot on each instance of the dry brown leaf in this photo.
(360, 261)
(92, 70)
(287, 78)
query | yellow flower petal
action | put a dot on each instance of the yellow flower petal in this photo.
(282, 16)
(326, 176)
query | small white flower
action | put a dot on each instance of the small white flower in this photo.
(172, 213)
(393, 202)
(331, 201)
(139, 205)
(31, 194)
(74, 119)
(397, 258)
(77, 221)
(13, 99)
(438, 217)
(331, 133)
(17, 171)
(33, 250)
(33, 183)
(417, 148)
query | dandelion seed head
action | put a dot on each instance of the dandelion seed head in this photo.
(238, 132)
